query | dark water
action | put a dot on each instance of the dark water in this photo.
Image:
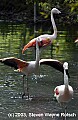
(12, 106)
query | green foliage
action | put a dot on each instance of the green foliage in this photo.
(44, 6)
(24, 9)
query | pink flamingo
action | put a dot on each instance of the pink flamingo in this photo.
(45, 39)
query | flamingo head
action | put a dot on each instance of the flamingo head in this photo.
(55, 10)
(65, 65)
(41, 43)
(76, 41)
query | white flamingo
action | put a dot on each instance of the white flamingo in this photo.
(64, 93)
(45, 39)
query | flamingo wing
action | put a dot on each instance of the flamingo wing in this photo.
(42, 42)
(14, 62)
(53, 63)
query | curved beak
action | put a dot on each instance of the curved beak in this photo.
(32, 43)
(59, 12)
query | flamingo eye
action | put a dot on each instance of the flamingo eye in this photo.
(56, 91)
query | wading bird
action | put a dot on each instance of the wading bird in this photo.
(45, 39)
(30, 67)
(25, 67)
(64, 93)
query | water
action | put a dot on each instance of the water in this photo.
(12, 106)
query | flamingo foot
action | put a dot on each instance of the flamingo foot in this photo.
(25, 95)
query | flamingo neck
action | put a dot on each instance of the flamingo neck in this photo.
(65, 79)
(54, 26)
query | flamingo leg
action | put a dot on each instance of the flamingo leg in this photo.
(51, 50)
(27, 88)
(23, 88)
(64, 118)
(64, 106)
(65, 111)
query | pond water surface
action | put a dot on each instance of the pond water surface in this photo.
(12, 106)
